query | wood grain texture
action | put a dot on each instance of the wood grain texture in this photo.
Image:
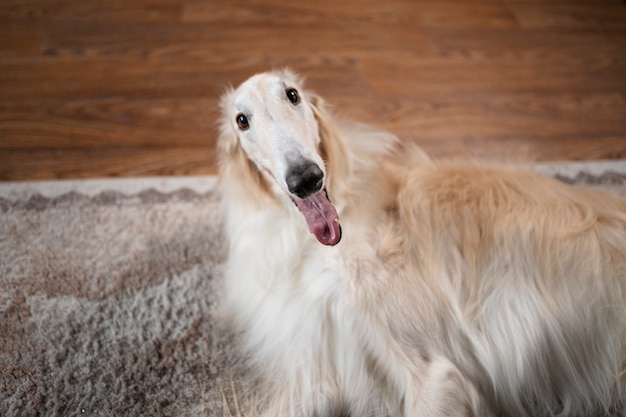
(451, 14)
(16, 41)
(109, 122)
(41, 164)
(124, 88)
(112, 11)
(600, 14)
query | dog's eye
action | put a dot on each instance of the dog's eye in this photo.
(292, 95)
(242, 122)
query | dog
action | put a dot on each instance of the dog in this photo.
(369, 280)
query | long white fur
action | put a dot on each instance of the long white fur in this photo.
(457, 289)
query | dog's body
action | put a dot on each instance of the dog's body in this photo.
(456, 289)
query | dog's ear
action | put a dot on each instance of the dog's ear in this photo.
(331, 148)
(227, 139)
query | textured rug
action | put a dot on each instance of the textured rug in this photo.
(109, 295)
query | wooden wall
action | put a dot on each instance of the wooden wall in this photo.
(97, 88)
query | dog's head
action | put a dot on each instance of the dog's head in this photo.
(270, 120)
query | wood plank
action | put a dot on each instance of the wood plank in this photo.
(17, 39)
(520, 116)
(461, 15)
(565, 14)
(602, 2)
(562, 47)
(46, 78)
(17, 165)
(451, 13)
(114, 122)
(282, 40)
(460, 77)
(59, 78)
(91, 10)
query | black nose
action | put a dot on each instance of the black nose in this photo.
(304, 179)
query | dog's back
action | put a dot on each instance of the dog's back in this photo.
(539, 271)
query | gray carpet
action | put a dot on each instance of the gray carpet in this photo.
(109, 292)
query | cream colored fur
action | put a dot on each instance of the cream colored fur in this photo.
(458, 289)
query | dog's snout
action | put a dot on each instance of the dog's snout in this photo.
(305, 179)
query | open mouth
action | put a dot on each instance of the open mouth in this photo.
(321, 217)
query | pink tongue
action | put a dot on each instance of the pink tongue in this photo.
(321, 217)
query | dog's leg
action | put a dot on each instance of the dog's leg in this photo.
(443, 391)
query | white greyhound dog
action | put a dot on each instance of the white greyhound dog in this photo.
(369, 280)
